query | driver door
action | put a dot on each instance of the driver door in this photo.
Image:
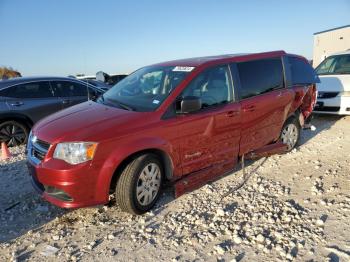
(210, 137)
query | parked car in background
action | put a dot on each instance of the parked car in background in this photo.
(184, 121)
(102, 77)
(25, 100)
(115, 79)
(334, 89)
(99, 84)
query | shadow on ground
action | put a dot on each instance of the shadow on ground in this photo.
(322, 123)
(21, 208)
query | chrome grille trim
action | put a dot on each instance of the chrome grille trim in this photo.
(37, 151)
(324, 95)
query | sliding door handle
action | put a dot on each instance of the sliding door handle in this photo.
(249, 108)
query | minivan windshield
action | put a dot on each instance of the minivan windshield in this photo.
(334, 65)
(145, 89)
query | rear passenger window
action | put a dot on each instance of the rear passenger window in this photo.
(302, 72)
(260, 76)
(30, 90)
(68, 89)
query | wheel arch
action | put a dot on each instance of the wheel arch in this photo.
(23, 119)
(295, 114)
(163, 156)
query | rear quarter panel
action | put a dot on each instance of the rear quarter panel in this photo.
(305, 99)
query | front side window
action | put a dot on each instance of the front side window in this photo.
(30, 90)
(212, 86)
(260, 76)
(68, 89)
(145, 89)
(334, 65)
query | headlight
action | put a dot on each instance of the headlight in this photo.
(344, 93)
(75, 152)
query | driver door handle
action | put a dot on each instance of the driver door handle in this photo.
(17, 104)
(232, 113)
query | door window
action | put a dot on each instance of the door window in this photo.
(30, 90)
(212, 86)
(260, 76)
(68, 89)
(302, 72)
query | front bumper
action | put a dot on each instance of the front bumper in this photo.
(65, 185)
(339, 105)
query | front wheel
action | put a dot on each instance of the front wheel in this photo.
(290, 133)
(139, 185)
(13, 133)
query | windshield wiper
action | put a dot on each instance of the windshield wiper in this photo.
(123, 106)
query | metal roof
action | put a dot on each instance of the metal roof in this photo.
(26, 79)
(197, 61)
(332, 29)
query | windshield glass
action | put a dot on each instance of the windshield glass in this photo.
(145, 89)
(334, 65)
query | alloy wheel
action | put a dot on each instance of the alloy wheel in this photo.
(12, 134)
(290, 135)
(148, 184)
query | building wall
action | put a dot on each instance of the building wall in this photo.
(330, 42)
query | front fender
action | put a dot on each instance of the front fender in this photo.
(120, 152)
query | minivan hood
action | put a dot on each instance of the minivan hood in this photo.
(88, 121)
(334, 83)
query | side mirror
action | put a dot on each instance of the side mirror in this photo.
(190, 104)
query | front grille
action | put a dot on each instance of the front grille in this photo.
(327, 109)
(38, 154)
(39, 149)
(325, 95)
(43, 144)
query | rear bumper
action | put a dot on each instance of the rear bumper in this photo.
(339, 105)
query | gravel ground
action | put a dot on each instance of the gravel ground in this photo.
(293, 207)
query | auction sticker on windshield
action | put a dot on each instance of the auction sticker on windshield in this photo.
(183, 68)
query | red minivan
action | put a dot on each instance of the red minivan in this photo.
(185, 122)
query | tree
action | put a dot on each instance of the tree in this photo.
(8, 72)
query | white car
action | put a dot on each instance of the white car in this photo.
(334, 89)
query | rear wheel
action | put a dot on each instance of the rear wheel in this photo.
(290, 133)
(13, 133)
(139, 185)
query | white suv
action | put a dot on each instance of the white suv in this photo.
(334, 89)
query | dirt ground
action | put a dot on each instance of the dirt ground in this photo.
(293, 207)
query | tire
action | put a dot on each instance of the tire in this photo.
(13, 133)
(141, 177)
(290, 133)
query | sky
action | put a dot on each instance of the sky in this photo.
(67, 37)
